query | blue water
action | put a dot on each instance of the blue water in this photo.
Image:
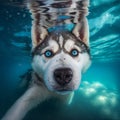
(98, 96)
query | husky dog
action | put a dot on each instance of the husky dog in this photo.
(59, 58)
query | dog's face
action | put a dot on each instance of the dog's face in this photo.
(60, 56)
(59, 60)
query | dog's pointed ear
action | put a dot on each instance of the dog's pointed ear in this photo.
(81, 29)
(38, 32)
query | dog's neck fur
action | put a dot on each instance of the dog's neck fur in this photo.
(31, 77)
(36, 79)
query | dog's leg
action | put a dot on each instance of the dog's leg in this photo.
(32, 97)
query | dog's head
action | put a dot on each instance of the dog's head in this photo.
(60, 57)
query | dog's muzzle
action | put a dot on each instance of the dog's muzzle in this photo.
(63, 76)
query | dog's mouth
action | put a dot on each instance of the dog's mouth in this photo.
(63, 89)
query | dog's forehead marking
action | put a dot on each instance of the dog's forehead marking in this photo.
(61, 41)
(69, 44)
(53, 45)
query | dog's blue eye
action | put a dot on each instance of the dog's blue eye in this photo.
(48, 53)
(74, 53)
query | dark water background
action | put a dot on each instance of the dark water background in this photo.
(98, 96)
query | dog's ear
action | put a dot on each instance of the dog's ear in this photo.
(81, 29)
(39, 32)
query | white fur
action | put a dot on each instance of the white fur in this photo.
(45, 67)
(69, 45)
(61, 41)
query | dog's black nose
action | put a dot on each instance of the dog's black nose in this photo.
(63, 76)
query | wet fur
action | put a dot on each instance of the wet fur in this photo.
(40, 88)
